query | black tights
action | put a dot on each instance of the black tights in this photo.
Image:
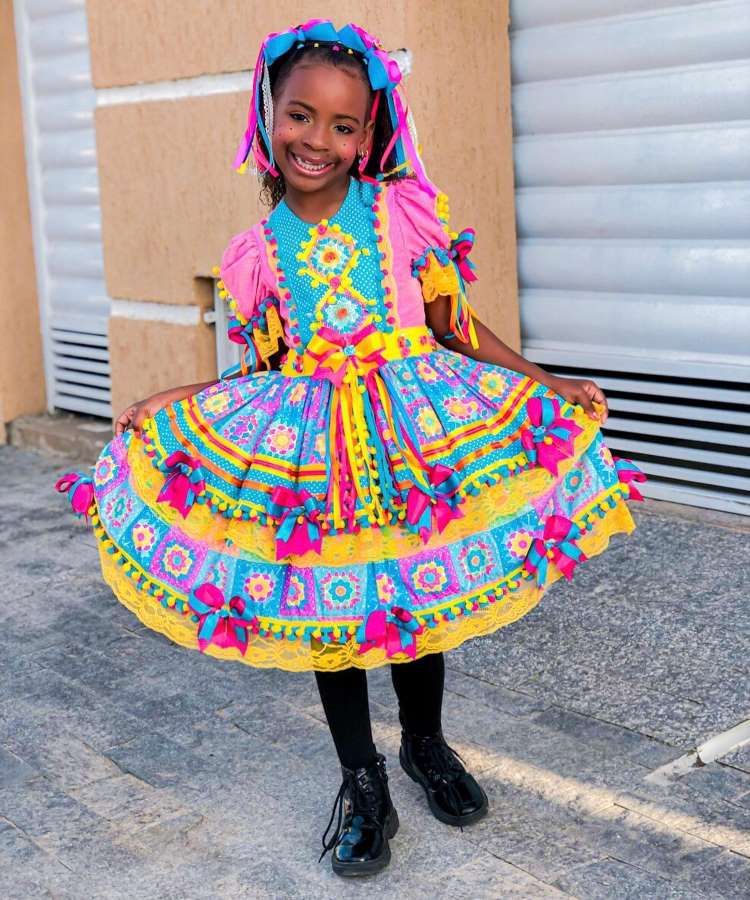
(418, 686)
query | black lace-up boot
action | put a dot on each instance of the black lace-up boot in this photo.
(453, 794)
(367, 820)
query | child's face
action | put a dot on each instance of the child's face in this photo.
(320, 125)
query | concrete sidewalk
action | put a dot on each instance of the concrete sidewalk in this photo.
(132, 768)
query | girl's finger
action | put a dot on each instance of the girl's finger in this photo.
(597, 396)
(584, 400)
(123, 421)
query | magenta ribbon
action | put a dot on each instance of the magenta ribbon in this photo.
(293, 535)
(220, 622)
(551, 438)
(336, 360)
(628, 472)
(80, 491)
(459, 251)
(184, 482)
(558, 543)
(426, 512)
(394, 631)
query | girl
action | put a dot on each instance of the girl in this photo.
(381, 477)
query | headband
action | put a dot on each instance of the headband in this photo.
(384, 76)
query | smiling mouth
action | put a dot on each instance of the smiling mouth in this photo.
(308, 166)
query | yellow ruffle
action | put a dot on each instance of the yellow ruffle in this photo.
(297, 656)
(437, 280)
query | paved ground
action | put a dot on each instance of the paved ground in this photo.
(131, 768)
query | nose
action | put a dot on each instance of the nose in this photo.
(315, 138)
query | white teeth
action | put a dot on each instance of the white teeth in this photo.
(307, 165)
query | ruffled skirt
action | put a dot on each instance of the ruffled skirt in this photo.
(284, 520)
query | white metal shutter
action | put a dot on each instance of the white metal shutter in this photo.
(58, 106)
(632, 160)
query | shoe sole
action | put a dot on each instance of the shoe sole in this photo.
(372, 866)
(445, 817)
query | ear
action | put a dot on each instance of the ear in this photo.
(368, 131)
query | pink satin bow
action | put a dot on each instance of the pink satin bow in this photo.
(80, 491)
(558, 543)
(628, 472)
(220, 622)
(293, 535)
(394, 631)
(460, 249)
(184, 482)
(444, 480)
(551, 439)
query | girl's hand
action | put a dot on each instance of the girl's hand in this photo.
(583, 391)
(134, 416)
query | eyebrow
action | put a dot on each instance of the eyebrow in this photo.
(312, 110)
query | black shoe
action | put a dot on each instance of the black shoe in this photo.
(453, 794)
(367, 819)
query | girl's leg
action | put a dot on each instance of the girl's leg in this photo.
(419, 688)
(366, 817)
(345, 703)
(452, 793)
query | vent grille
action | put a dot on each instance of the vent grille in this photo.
(82, 381)
(690, 436)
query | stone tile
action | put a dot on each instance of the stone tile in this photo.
(719, 781)
(488, 878)
(603, 735)
(159, 761)
(69, 706)
(66, 761)
(13, 769)
(52, 819)
(498, 697)
(129, 803)
(612, 879)
(739, 758)
(680, 807)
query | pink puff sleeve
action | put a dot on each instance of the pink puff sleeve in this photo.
(245, 283)
(438, 256)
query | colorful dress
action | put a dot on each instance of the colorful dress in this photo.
(379, 497)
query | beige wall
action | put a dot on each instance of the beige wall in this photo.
(21, 367)
(170, 199)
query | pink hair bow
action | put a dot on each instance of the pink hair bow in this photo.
(394, 631)
(184, 482)
(551, 437)
(220, 622)
(558, 543)
(423, 512)
(628, 472)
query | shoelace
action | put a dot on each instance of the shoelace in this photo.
(441, 764)
(367, 794)
(338, 804)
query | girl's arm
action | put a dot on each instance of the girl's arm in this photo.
(492, 350)
(135, 415)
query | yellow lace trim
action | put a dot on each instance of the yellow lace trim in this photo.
(298, 656)
(480, 512)
(437, 280)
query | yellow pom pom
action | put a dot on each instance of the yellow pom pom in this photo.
(215, 270)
